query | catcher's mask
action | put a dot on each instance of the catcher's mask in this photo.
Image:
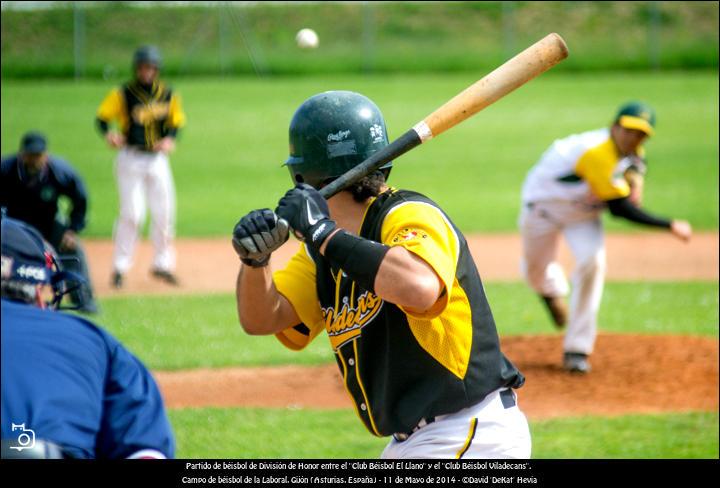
(331, 133)
(28, 259)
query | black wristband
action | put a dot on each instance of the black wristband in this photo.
(254, 263)
(319, 232)
(359, 258)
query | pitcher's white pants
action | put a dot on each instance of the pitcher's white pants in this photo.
(541, 227)
(144, 180)
(487, 430)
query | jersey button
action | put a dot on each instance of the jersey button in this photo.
(351, 362)
(363, 407)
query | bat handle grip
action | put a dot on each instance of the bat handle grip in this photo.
(398, 147)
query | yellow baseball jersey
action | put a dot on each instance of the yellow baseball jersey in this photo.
(143, 117)
(584, 167)
(399, 366)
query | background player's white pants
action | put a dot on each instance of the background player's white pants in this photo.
(541, 227)
(144, 179)
(499, 433)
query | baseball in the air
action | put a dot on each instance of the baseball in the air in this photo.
(307, 39)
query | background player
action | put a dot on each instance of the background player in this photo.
(32, 183)
(63, 378)
(565, 194)
(149, 115)
(390, 279)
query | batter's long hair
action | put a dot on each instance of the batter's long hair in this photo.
(367, 187)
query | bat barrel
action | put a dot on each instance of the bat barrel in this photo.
(514, 73)
(517, 71)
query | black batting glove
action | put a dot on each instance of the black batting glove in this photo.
(307, 213)
(257, 235)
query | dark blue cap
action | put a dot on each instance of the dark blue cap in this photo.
(24, 255)
(33, 142)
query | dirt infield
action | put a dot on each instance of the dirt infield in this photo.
(210, 265)
(631, 373)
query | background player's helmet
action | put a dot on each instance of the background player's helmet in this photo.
(147, 54)
(331, 133)
(28, 260)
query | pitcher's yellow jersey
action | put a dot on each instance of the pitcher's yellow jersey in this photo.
(584, 167)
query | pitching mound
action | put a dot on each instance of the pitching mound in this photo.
(631, 374)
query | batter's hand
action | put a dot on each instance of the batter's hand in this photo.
(307, 213)
(115, 139)
(257, 235)
(165, 145)
(681, 229)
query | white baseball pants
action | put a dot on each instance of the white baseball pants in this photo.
(144, 180)
(541, 227)
(487, 430)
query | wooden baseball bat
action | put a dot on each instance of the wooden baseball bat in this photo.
(515, 72)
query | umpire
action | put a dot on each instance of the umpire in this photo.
(69, 389)
(32, 183)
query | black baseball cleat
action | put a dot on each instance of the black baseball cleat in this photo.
(558, 310)
(165, 276)
(576, 362)
(117, 280)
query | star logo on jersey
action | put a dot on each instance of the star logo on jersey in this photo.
(408, 235)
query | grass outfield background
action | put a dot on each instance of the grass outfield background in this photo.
(248, 433)
(230, 154)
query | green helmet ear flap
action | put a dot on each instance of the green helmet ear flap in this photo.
(332, 132)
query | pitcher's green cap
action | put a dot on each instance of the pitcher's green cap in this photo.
(637, 115)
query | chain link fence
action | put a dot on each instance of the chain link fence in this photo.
(96, 39)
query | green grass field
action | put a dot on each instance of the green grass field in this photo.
(246, 433)
(230, 154)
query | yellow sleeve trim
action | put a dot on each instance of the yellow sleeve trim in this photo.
(112, 109)
(176, 116)
(423, 230)
(297, 284)
(597, 167)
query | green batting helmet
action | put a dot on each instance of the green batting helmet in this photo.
(147, 54)
(331, 133)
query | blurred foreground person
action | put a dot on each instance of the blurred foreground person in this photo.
(69, 389)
